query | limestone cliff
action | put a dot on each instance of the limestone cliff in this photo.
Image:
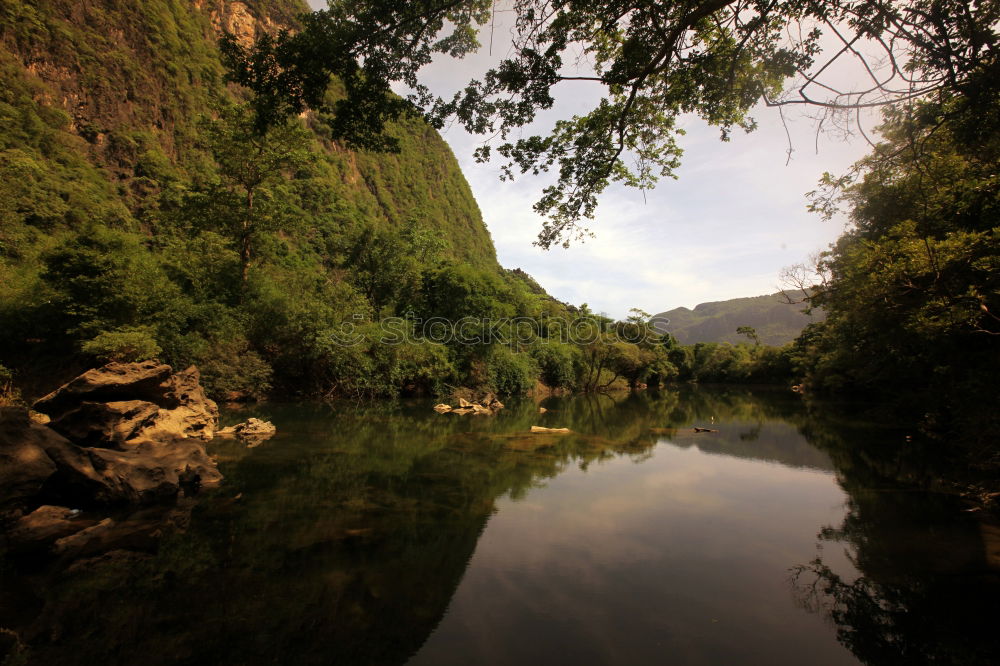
(99, 109)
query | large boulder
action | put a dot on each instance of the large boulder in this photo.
(127, 433)
(187, 410)
(113, 424)
(150, 472)
(123, 404)
(25, 464)
(111, 383)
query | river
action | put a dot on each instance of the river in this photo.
(389, 534)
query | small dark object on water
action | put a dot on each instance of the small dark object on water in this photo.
(697, 429)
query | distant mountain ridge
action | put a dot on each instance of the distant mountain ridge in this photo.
(776, 321)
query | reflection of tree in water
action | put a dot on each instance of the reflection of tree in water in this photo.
(926, 593)
(342, 540)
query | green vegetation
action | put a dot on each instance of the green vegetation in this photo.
(772, 317)
(168, 224)
(156, 224)
(251, 171)
(644, 64)
(171, 227)
(124, 345)
(913, 290)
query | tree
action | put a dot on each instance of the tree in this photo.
(913, 289)
(650, 60)
(750, 332)
(387, 266)
(251, 161)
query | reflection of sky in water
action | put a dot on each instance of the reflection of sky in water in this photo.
(681, 558)
(360, 533)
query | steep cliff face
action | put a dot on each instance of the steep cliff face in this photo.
(99, 109)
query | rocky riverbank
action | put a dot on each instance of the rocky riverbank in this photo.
(124, 438)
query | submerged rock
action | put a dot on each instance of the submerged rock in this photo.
(148, 473)
(69, 533)
(44, 525)
(253, 431)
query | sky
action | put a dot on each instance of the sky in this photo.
(735, 216)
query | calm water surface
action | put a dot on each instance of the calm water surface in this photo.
(393, 535)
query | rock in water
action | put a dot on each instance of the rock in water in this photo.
(122, 404)
(255, 427)
(133, 432)
(45, 525)
(25, 464)
(148, 473)
(253, 432)
(487, 406)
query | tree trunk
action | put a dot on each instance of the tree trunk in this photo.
(245, 245)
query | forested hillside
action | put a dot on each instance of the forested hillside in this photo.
(146, 214)
(775, 320)
(123, 220)
(100, 116)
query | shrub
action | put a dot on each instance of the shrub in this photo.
(423, 367)
(233, 369)
(123, 345)
(556, 363)
(509, 373)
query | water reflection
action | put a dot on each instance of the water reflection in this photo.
(389, 533)
(928, 589)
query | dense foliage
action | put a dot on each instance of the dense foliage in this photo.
(138, 217)
(913, 290)
(644, 62)
(168, 225)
